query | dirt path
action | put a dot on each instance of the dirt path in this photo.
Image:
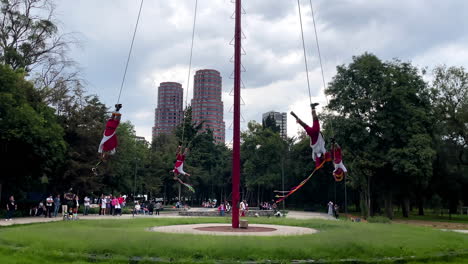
(438, 225)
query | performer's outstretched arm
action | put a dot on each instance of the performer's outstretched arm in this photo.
(298, 120)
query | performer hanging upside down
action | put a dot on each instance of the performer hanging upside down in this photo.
(340, 169)
(109, 139)
(317, 143)
(179, 165)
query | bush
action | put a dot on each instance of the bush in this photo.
(379, 219)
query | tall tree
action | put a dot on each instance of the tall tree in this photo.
(31, 40)
(387, 105)
(450, 98)
(31, 139)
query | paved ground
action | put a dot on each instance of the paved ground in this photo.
(273, 230)
(170, 214)
(456, 230)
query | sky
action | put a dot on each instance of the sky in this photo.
(427, 33)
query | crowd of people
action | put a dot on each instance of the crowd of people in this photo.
(147, 208)
(69, 204)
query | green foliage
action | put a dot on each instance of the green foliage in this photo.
(27, 39)
(450, 100)
(386, 125)
(262, 154)
(31, 139)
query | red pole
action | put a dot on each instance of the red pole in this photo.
(236, 136)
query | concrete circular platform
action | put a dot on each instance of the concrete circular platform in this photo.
(227, 230)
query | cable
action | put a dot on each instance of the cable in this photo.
(321, 65)
(130, 52)
(190, 67)
(304, 49)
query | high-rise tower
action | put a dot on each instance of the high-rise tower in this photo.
(280, 120)
(206, 103)
(169, 112)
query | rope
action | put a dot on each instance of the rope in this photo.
(294, 189)
(190, 67)
(130, 52)
(304, 49)
(320, 60)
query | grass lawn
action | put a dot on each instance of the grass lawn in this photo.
(127, 241)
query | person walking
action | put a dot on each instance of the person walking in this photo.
(243, 208)
(57, 204)
(11, 208)
(49, 206)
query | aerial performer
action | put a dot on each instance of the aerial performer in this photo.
(340, 168)
(317, 143)
(109, 140)
(179, 167)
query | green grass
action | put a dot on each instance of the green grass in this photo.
(127, 241)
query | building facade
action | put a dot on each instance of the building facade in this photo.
(207, 104)
(169, 112)
(280, 120)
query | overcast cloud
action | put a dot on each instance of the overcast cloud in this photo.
(426, 32)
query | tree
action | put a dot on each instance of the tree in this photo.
(31, 40)
(31, 139)
(262, 151)
(450, 98)
(387, 121)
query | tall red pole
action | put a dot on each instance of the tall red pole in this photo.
(236, 136)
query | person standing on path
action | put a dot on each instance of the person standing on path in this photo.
(57, 204)
(157, 207)
(330, 208)
(87, 204)
(221, 209)
(49, 206)
(11, 208)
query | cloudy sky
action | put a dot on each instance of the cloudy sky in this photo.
(426, 32)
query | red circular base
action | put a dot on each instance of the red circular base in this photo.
(235, 230)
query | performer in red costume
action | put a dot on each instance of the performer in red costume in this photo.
(340, 169)
(317, 143)
(109, 139)
(179, 165)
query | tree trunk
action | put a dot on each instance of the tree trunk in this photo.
(406, 207)
(421, 206)
(364, 205)
(388, 202)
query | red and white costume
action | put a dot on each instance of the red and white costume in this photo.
(340, 168)
(317, 143)
(179, 165)
(109, 139)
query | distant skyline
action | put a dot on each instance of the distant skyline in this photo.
(425, 32)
